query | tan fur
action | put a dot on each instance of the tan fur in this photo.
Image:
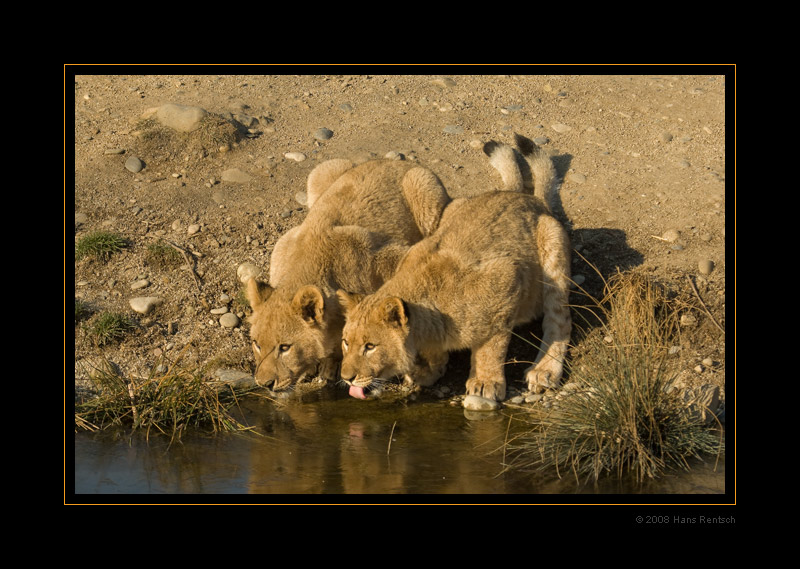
(361, 220)
(496, 261)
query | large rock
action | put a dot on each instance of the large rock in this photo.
(180, 117)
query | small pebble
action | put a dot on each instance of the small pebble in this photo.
(671, 235)
(221, 310)
(145, 304)
(193, 228)
(688, 319)
(453, 129)
(229, 320)
(323, 134)
(533, 397)
(296, 156)
(142, 283)
(561, 128)
(133, 164)
(301, 198)
(246, 271)
(477, 403)
(706, 266)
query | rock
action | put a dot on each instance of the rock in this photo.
(133, 164)
(193, 228)
(561, 128)
(534, 397)
(301, 198)
(453, 129)
(145, 304)
(688, 319)
(443, 82)
(236, 176)
(706, 266)
(296, 156)
(478, 403)
(220, 310)
(671, 235)
(141, 283)
(180, 117)
(323, 134)
(229, 320)
(233, 378)
(246, 271)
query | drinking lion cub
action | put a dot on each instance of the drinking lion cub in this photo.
(496, 261)
(361, 220)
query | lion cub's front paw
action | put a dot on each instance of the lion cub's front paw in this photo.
(540, 380)
(487, 388)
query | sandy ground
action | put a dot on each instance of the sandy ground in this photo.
(642, 159)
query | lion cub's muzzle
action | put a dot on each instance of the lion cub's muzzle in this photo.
(362, 387)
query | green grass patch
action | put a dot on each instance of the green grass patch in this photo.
(100, 245)
(110, 327)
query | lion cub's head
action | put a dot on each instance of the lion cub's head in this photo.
(289, 332)
(375, 341)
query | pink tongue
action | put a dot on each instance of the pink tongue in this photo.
(357, 392)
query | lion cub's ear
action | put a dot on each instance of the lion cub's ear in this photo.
(310, 304)
(348, 300)
(395, 312)
(257, 292)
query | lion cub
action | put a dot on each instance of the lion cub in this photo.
(361, 220)
(497, 260)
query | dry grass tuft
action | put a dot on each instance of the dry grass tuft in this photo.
(169, 404)
(624, 415)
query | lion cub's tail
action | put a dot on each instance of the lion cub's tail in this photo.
(524, 168)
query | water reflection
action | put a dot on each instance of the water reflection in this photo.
(339, 446)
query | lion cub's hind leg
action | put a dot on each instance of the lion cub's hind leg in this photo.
(486, 377)
(321, 177)
(553, 244)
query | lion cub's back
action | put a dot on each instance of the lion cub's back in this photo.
(491, 224)
(369, 195)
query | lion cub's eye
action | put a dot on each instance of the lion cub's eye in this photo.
(344, 345)
(369, 347)
(256, 347)
(283, 348)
